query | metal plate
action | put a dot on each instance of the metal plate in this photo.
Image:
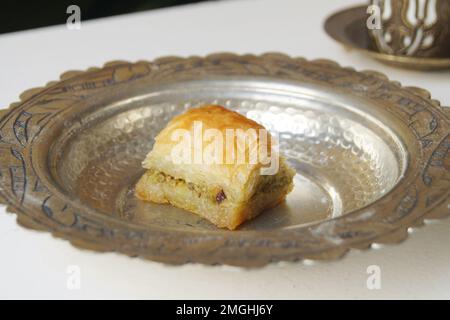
(348, 27)
(371, 157)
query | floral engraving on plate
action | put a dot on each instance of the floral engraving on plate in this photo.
(31, 186)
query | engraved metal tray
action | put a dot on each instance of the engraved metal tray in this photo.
(348, 27)
(371, 157)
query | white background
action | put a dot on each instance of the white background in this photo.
(34, 265)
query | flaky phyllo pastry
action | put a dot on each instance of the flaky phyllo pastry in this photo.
(218, 164)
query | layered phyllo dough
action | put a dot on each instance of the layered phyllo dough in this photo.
(217, 164)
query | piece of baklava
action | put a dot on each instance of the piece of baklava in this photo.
(218, 164)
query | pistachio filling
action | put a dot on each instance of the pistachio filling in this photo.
(199, 190)
(266, 185)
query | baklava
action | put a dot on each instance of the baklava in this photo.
(215, 175)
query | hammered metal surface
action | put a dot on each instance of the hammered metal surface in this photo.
(371, 157)
(342, 165)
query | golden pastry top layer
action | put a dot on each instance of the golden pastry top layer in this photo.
(212, 116)
(237, 178)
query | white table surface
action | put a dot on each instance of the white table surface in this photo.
(34, 265)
